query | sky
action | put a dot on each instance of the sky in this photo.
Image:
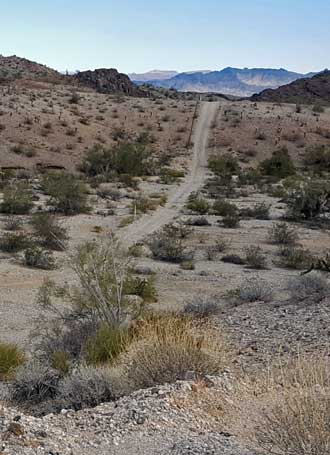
(181, 35)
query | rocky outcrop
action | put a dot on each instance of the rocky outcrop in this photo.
(304, 91)
(14, 68)
(107, 81)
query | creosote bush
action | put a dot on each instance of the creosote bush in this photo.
(282, 234)
(68, 195)
(39, 258)
(198, 204)
(126, 158)
(167, 244)
(280, 164)
(17, 199)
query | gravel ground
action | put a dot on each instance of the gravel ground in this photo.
(171, 419)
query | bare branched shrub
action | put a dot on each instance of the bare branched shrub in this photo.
(34, 382)
(313, 288)
(255, 289)
(86, 387)
(202, 306)
(283, 234)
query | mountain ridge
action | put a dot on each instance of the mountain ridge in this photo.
(243, 82)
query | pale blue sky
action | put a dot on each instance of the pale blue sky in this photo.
(174, 34)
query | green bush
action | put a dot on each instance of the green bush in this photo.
(141, 287)
(224, 208)
(197, 204)
(38, 258)
(283, 234)
(259, 211)
(280, 164)
(48, 231)
(224, 165)
(127, 158)
(106, 345)
(12, 242)
(167, 245)
(292, 257)
(17, 199)
(318, 156)
(254, 258)
(67, 194)
(231, 221)
(11, 357)
(309, 200)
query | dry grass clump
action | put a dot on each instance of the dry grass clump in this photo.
(11, 357)
(287, 410)
(167, 347)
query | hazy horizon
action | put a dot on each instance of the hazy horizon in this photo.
(188, 36)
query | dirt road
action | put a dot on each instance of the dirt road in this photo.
(178, 196)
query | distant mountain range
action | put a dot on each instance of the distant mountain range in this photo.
(311, 90)
(230, 81)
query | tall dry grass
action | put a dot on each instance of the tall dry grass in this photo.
(167, 347)
(286, 411)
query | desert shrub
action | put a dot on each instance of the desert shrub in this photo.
(39, 258)
(188, 265)
(313, 287)
(233, 259)
(287, 410)
(309, 200)
(259, 211)
(294, 257)
(126, 158)
(13, 223)
(255, 289)
(224, 208)
(103, 271)
(106, 344)
(249, 177)
(224, 165)
(85, 388)
(141, 287)
(202, 307)
(11, 357)
(198, 221)
(60, 361)
(198, 204)
(318, 156)
(231, 221)
(280, 164)
(169, 176)
(12, 242)
(74, 98)
(34, 382)
(168, 347)
(167, 245)
(282, 234)
(255, 258)
(67, 194)
(318, 109)
(49, 231)
(17, 199)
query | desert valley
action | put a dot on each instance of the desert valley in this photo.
(165, 260)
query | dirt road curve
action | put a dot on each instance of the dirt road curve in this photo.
(148, 224)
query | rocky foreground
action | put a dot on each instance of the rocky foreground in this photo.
(172, 419)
